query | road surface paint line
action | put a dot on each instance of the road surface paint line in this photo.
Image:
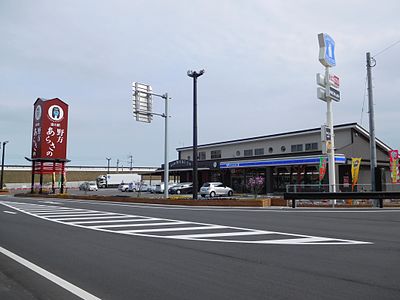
(141, 225)
(76, 215)
(172, 229)
(287, 238)
(51, 202)
(219, 234)
(66, 213)
(115, 221)
(10, 212)
(100, 218)
(52, 210)
(50, 276)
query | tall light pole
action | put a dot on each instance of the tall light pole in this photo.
(2, 164)
(131, 162)
(195, 75)
(108, 164)
(108, 170)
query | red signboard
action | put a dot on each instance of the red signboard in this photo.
(49, 134)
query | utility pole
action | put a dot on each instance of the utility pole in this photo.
(372, 142)
(195, 75)
(2, 165)
(130, 162)
(117, 164)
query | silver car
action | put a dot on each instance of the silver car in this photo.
(213, 189)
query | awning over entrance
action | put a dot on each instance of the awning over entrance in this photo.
(300, 160)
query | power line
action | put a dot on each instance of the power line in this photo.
(365, 96)
(387, 48)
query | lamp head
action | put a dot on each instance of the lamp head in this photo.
(194, 74)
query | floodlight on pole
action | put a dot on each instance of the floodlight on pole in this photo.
(195, 75)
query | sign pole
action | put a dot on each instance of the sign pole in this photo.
(166, 166)
(329, 123)
(143, 112)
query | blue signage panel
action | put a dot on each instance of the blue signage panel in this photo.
(326, 50)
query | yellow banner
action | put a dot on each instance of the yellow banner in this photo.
(355, 170)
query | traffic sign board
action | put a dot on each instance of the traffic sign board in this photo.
(321, 95)
(321, 80)
(142, 102)
(334, 94)
(334, 80)
(326, 50)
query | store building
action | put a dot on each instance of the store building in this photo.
(282, 159)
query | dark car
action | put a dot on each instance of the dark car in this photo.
(182, 188)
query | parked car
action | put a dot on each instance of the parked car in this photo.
(152, 188)
(127, 187)
(213, 189)
(144, 187)
(88, 186)
(182, 188)
(160, 187)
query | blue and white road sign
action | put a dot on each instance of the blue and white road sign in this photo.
(326, 50)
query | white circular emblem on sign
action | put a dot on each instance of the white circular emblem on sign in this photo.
(215, 164)
(38, 112)
(56, 113)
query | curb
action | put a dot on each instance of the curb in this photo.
(189, 202)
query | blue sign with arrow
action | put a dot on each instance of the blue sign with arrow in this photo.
(326, 50)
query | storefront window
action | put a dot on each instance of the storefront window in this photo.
(215, 154)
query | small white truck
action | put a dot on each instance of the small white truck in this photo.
(113, 180)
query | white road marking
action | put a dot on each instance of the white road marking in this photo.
(50, 276)
(51, 202)
(94, 218)
(116, 221)
(221, 234)
(10, 212)
(80, 215)
(173, 229)
(279, 238)
(141, 225)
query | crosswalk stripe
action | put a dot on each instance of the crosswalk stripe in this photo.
(219, 234)
(141, 225)
(105, 217)
(173, 229)
(55, 217)
(51, 210)
(116, 221)
(304, 240)
(62, 213)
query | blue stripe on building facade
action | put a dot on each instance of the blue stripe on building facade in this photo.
(266, 163)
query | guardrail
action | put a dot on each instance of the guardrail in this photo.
(379, 196)
(296, 188)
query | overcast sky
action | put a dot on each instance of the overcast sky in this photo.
(260, 60)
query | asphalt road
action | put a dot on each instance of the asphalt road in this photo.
(131, 251)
